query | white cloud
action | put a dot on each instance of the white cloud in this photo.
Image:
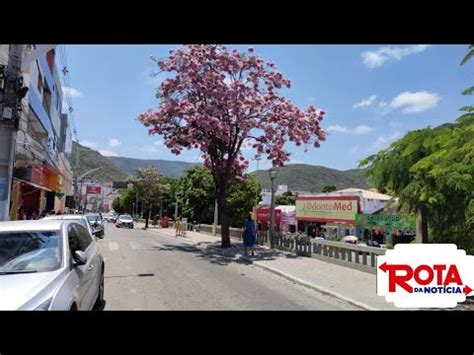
(362, 129)
(383, 142)
(71, 91)
(374, 59)
(412, 102)
(383, 107)
(114, 142)
(92, 145)
(108, 153)
(365, 102)
(158, 143)
(336, 128)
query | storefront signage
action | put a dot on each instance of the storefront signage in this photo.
(93, 189)
(264, 215)
(382, 220)
(327, 208)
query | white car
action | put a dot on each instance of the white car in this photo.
(124, 220)
(49, 265)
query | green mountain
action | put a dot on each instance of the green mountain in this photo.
(118, 168)
(169, 168)
(303, 177)
(90, 159)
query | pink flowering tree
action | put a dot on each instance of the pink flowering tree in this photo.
(219, 101)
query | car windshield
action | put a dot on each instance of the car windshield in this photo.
(29, 251)
(126, 218)
(92, 217)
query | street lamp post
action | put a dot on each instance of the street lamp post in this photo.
(81, 179)
(273, 174)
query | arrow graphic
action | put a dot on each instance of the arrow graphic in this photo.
(467, 290)
(383, 267)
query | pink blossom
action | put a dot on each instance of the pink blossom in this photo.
(198, 110)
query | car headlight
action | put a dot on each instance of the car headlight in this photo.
(45, 305)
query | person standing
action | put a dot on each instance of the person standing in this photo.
(177, 227)
(249, 235)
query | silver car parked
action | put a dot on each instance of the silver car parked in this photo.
(49, 265)
(83, 219)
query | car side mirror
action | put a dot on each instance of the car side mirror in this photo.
(80, 257)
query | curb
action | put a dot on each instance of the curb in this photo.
(314, 287)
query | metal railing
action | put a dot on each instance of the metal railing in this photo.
(363, 258)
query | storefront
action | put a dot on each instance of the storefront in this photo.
(33, 191)
(263, 217)
(329, 215)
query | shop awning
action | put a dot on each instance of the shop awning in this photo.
(32, 184)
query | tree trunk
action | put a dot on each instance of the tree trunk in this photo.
(146, 218)
(421, 226)
(223, 217)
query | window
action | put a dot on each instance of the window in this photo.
(27, 251)
(84, 236)
(47, 98)
(40, 82)
(74, 244)
(79, 238)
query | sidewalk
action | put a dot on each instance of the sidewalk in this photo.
(352, 286)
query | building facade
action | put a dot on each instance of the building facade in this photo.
(42, 177)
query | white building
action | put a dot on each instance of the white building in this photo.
(370, 201)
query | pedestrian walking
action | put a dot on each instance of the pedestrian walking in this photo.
(177, 226)
(249, 235)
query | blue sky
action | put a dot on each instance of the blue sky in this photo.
(372, 95)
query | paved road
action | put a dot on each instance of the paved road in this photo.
(150, 271)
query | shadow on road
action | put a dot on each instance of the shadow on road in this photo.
(215, 254)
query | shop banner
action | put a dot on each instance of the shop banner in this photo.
(383, 220)
(327, 208)
(264, 215)
(93, 189)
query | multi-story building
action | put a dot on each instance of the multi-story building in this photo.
(42, 174)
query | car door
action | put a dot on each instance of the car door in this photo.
(80, 271)
(92, 265)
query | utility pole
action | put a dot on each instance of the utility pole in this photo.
(216, 218)
(76, 173)
(12, 94)
(176, 209)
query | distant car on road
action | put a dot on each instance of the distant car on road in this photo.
(49, 265)
(109, 217)
(97, 225)
(124, 220)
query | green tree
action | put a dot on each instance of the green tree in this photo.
(329, 188)
(196, 193)
(432, 171)
(117, 205)
(241, 199)
(286, 198)
(149, 188)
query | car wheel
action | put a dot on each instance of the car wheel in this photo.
(100, 297)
